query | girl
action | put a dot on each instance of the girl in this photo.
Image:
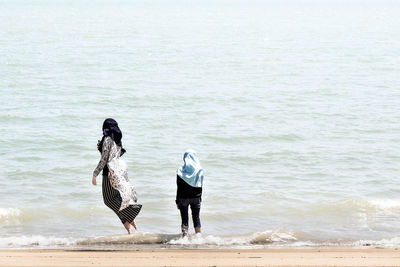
(189, 182)
(118, 193)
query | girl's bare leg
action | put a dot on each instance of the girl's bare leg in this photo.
(128, 227)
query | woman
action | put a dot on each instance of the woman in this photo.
(118, 193)
(189, 182)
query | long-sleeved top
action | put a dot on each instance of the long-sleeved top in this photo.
(105, 152)
(184, 190)
(117, 172)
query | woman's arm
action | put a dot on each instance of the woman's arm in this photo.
(104, 158)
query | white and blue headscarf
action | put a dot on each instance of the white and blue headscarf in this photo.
(191, 171)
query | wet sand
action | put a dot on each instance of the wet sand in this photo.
(262, 257)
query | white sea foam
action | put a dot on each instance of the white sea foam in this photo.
(393, 242)
(259, 238)
(199, 240)
(10, 216)
(6, 213)
(385, 204)
(138, 240)
(34, 241)
(273, 236)
(141, 238)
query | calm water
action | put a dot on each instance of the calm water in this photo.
(293, 108)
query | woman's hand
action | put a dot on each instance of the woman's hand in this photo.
(94, 180)
(177, 206)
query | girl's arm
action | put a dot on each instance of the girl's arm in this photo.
(104, 158)
(177, 190)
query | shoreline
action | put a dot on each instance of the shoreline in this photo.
(332, 256)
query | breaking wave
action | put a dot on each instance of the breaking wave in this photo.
(142, 240)
(139, 238)
(10, 216)
(35, 241)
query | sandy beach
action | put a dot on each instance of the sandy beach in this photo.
(264, 257)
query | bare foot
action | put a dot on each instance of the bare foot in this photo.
(128, 228)
(134, 225)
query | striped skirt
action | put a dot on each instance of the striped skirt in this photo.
(113, 200)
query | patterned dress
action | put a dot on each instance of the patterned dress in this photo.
(118, 193)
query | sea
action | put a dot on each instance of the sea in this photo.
(291, 105)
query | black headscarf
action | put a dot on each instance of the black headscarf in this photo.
(111, 129)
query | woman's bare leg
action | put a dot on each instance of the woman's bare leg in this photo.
(134, 224)
(197, 230)
(128, 227)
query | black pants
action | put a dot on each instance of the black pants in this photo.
(195, 204)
